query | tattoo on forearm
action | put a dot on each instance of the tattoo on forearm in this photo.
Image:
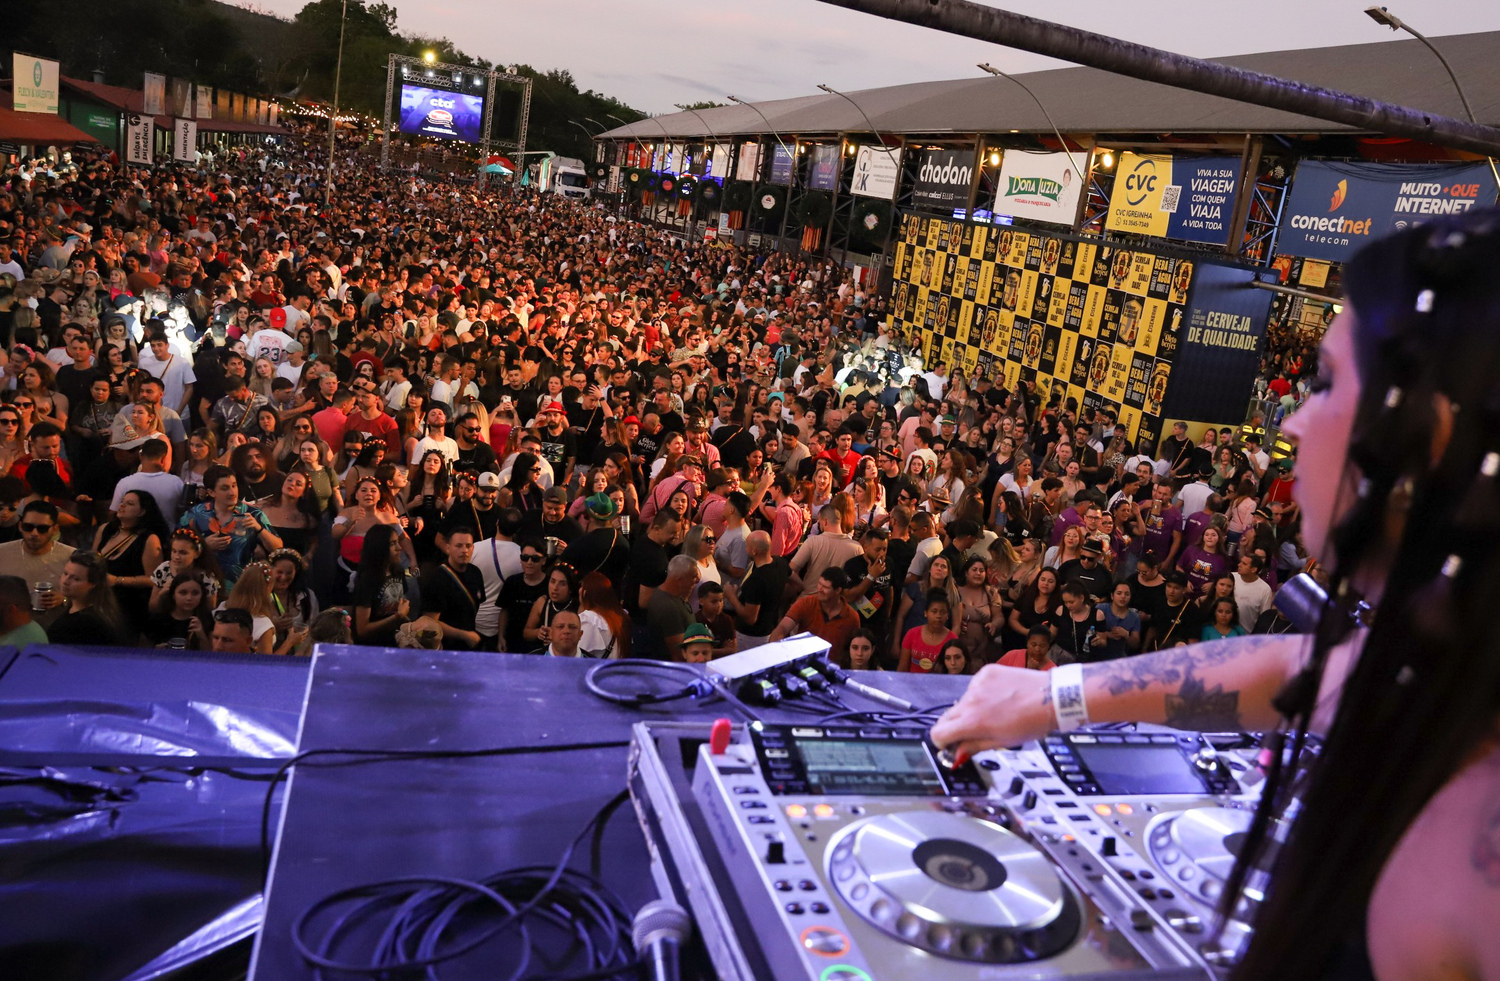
(1195, 706)
(1485, 855)
(1190, 703)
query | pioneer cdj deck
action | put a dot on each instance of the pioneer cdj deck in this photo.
(841, 853)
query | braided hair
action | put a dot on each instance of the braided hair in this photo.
(1421, 508)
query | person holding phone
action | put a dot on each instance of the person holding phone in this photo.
(230, 529)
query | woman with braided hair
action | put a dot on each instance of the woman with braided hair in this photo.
(1391, 867)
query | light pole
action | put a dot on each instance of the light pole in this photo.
(750, 105)
(875, 132)
(1385, 18)
(991, 69)
(333, 117)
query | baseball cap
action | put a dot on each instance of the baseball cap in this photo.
(293, 347)
(278, 317)
(489, 479)
(558, 494)
(600, 506)
(697, 633)
(628, 420)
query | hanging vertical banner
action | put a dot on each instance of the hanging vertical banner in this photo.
(749, 168)
(275, 114)
(781, 164)
(824, 175)
(34, 84)
(203, 102)
(877, 170)
(1218, 349)
(154, 95)
(1039, 186)
(180, 91)
(139, 131)
(1187, 198)
(184, 141)
(718, 165)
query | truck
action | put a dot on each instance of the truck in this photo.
(566, 176)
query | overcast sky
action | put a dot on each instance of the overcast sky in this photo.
(653, 53)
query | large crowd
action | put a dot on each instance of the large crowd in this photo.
(433, 414)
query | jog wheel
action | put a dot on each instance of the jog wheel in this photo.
(1197, 848)
(953, 885)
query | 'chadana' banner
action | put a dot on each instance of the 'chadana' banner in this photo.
(943, 179)
(1335, 208)
(1039, 186)
(1186, 198)
(876, 171)
(1218, 349)
(33, 84)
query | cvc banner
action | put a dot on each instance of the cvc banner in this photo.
(877, 169)
(1185, 198)
(139, 132)
(1039, 186)
(1218, 349)
(1335, 208)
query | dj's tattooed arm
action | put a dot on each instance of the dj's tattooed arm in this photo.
(1215, 685)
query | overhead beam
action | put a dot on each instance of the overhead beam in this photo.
(991, 24)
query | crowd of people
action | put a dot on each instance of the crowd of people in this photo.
(436, 415)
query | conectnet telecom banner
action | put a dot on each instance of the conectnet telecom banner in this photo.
(1335, 208)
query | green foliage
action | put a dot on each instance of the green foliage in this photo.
(246, 51)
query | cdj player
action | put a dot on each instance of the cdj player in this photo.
(842, 853)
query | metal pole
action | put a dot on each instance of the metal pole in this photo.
(969, 19)
(333, 117)
(1087, 176)
(1249, 169)
(489, 119)
(385, 128)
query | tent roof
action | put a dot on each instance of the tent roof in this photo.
(37, 128)
(1087, 100)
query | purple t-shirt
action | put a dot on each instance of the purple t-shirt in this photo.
(1192, 529)
(1201, 568)
(1159, 529)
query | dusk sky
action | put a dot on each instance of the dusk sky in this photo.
(653, 53)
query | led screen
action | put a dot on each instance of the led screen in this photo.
(441, 114)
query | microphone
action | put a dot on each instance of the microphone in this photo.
(659, 930)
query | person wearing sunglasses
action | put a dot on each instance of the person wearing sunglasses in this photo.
(39, 558)
(232, 631)
(519, 594)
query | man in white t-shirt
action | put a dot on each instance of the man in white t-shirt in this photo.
(291, 368)
(153, 478)
(295, 312)
(270, 342)
(175, 372)
(436, 439)
(1251, 593)
(937, 380)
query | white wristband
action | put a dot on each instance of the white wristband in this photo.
(1067, 697)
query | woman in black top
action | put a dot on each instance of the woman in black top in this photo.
(522, 491)
(380, 602)
(130, 544)
(93, 616)
(186, 616)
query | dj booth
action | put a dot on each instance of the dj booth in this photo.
(843, 849)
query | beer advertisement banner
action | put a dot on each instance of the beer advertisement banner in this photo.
(1186, 198)
(1218, 350)
(1085, 319)
(1334, 208)
(1039, 186)
(942, 180)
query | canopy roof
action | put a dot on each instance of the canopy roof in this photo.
(1087, 100)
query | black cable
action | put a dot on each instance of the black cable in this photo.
(695, 683)
(365, 756)
(421, 913)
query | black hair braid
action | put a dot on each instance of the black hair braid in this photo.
(1412, 708)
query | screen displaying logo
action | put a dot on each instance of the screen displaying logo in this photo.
(441, 114)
